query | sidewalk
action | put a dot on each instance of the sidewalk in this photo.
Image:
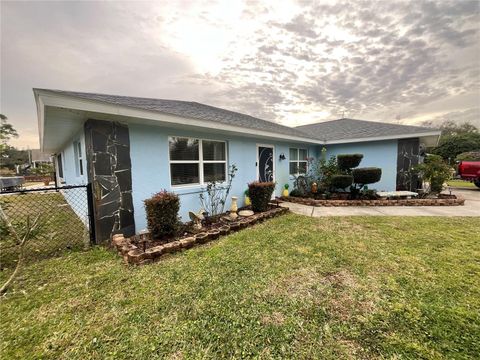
(471, 208)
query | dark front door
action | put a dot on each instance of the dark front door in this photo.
(265, 164)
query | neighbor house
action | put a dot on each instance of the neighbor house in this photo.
(130, 148)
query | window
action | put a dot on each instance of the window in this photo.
(298, 161)
(60, 166)
(77, 149)
(196, 161)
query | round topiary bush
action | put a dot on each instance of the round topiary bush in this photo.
(162, 214)
(260, 194)
(368, 175)
(348, 161)
(341, 181)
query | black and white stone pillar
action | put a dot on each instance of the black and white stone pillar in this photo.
(109, 170)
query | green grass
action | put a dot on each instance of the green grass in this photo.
(293, 287)
(461, 183)
(59, 227)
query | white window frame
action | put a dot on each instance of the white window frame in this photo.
(298, 161)
(77, 153)
(199, 162)
(62, 163)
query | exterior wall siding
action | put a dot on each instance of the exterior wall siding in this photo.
(151, 169)
(382, 154)
(70, 176)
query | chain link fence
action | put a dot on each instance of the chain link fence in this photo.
(62, 223)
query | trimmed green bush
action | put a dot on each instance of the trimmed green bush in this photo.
(260, 194)
(368, 175)
(162, 214)
(341, 181)
(348, 161)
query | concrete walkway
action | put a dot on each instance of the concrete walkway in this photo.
(471, 208)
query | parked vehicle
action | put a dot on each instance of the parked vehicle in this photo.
(470, 170)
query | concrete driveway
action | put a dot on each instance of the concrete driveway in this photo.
(471, 208)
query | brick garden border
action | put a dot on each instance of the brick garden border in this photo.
(382, 202)
(133, 255)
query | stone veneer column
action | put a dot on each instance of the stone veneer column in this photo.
(109, 170)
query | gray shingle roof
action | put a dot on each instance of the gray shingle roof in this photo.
(344, 129)
(188, 109)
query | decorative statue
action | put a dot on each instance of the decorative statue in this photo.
(197, 218)
(314, 188)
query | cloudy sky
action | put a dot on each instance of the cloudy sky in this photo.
(290, 62)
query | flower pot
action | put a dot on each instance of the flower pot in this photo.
(224, 230)
(46, 182)
(201, 238)
(285, 192)
(213, 234)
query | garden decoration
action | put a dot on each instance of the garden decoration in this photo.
(248, 202)
(245, 213)
(234, 208)
(197, 218)
(314, 188)
(285, 190)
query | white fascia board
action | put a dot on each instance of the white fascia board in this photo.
(379, 138)
(71, 102)
(40, 117)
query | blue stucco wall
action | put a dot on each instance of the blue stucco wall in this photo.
(76, 198)
(69, 167)
(382, 154)
(150, 166)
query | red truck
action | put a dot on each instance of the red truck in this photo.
(470, 170)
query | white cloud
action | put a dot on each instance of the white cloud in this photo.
(285, 61)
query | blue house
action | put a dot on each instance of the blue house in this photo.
(130, 148)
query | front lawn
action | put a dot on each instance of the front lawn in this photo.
(292, 287)
(461, 183)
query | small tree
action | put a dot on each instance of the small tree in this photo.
(216, 194)
(21, 240)
(435, 172)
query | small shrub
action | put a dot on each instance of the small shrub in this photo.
(346, 162)
(260, 194)
(435, 171)
(162, 214)
(368, 175)
(295, 193)
(341, 181)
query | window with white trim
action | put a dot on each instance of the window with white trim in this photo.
(298, 161)
(60, 166)
(77, 149)
(196, 161)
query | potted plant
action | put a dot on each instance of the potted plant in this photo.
(285, 190)
(247, 198)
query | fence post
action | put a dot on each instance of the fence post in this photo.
(91, 213)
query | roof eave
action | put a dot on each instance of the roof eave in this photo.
(45, 98)
(388, 137)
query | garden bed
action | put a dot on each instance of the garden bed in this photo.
(136, 251)
(444, 200)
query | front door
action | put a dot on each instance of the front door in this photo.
(265, 163)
